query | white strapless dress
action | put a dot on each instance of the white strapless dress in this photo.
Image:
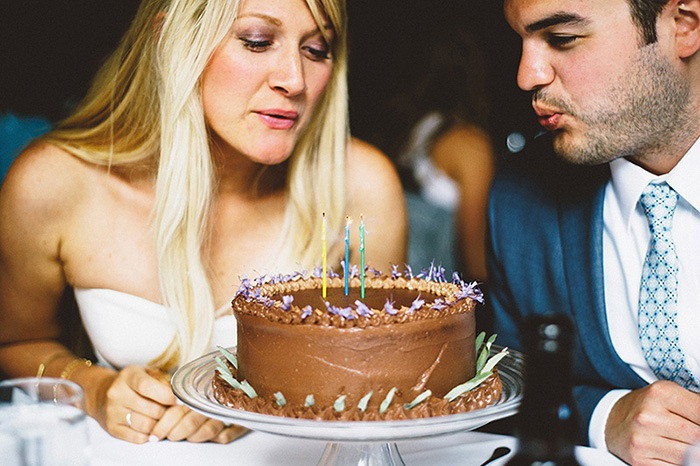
(128, 330)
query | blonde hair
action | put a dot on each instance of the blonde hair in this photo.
(145, 107)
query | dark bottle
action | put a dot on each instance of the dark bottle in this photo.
(546, 422)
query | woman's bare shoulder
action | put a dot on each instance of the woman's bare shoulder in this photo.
(42, 182)
(375, 191)
(366, 161)
(463, 148)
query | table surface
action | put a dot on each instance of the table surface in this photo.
(257, 448)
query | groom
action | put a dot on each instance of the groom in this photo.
(608, 232)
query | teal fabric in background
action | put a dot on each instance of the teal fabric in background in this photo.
(15, 134)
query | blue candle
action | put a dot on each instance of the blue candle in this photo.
(347, 254)
(362, 257)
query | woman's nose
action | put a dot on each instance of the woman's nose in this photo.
(289, 76)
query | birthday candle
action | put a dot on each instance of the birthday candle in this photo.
(323, 236)
(362, 256)
(347, 253)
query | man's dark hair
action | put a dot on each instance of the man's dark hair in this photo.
(644, 14)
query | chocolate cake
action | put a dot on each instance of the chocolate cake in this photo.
(403, 351)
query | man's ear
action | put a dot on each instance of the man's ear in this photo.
(687, 22)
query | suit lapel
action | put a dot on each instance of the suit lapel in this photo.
(581, 221)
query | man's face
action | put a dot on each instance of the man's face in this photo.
(595, 86)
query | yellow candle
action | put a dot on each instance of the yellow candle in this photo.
(323, 236)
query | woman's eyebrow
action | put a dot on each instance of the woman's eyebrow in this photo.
(269, 19)
(557, 19)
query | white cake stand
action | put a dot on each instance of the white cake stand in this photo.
(349, 442)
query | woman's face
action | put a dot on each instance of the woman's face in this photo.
(264, 79)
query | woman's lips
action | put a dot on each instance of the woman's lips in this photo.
(278, 119)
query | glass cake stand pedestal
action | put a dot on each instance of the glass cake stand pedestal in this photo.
(349, 442)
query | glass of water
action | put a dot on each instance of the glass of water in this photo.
(43, 423)
(692, 456)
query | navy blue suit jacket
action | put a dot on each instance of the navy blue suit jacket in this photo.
(545, 255)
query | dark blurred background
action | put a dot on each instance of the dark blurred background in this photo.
(386, 35)
(49, 50)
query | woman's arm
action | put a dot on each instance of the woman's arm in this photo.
(375, 191)
(466, 155)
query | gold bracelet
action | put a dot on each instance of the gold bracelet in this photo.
(71, 366)
(49, 360)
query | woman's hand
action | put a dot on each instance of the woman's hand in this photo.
(181, 423)
(133, 404)
(140, 407)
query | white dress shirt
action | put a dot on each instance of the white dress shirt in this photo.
(626, 238)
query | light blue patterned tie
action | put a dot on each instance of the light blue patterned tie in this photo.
(658, 293)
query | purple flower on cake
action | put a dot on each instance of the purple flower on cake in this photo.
(246, 288)
(440, 274)
(306, 312)
(471, 291)
(344, 312)
(439, 305)
(389, 307)
(416, 304)
(408, 272)
(363, 310)
(456, 279)
(431, 271)
(395, 272)
(333, 274)
(287, 302)
(317, 272)
(354, 271)
(376, 272)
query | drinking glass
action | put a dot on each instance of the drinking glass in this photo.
(43, 423)
(692, 456)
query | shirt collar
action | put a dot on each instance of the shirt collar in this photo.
(629, 180)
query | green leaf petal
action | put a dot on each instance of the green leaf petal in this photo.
(339, 404)
(309, 401)
(229, 355)
(224, 368)
(495, 359)
(250, 391)
(387, 401)
(225, 372)
(422, 397)
(279, 398)
(362, 405)
(466, 386)
(484, 355)
(228, 378)
(479, 340)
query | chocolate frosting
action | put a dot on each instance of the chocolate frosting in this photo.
(485, 394)
(292, 341)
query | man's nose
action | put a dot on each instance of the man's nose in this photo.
(534, 71)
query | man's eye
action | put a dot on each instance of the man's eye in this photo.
(256, 45)
(561, 41)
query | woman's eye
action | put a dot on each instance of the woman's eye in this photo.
(317, 53)
(256, 45)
